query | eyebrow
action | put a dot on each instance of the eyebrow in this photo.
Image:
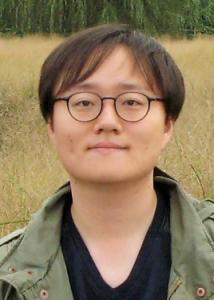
(120, 85)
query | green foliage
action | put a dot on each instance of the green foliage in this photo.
(173, 17)
(198, 16)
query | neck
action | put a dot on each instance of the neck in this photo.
(105, 212)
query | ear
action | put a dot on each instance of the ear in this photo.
(168, 131)
(51, 132)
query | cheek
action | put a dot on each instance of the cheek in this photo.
(148, 141)
(71, 143)
(64, 138)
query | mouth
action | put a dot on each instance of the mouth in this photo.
(107, 147)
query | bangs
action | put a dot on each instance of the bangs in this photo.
(76, 71)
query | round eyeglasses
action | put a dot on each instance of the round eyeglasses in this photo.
(129, 106)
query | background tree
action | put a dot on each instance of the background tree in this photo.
(174, 17)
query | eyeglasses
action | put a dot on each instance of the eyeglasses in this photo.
(129, 106)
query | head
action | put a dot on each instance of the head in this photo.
(109, 60)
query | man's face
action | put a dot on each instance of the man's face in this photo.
(140, 143)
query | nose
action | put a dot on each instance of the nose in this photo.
(108, 120)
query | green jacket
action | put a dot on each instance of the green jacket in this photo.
(32, 265)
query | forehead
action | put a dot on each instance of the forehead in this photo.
(119, 71)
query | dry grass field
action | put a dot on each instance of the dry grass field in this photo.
(29, 170)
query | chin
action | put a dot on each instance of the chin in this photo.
(107, 173)
(100, 176)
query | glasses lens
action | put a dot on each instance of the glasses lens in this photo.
(132, 106)
(84, 106)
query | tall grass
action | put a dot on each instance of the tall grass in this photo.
(29, 169)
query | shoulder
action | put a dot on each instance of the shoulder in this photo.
(9, 241)
(204, 209)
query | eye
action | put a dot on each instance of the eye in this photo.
(131, 102)
(83, 103)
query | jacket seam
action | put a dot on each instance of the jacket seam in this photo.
(175, 284)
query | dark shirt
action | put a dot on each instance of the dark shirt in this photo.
(149, 276)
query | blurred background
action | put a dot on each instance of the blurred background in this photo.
(31, 29)
(173, 17)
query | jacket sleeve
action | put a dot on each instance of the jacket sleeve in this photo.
(7, 292)
(7, 243)
(206, 213)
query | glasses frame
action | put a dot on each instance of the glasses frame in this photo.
(68, 98)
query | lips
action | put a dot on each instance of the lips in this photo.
(107, 145)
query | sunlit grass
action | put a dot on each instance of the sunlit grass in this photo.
(29, 170)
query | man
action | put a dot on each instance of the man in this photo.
(120, 228)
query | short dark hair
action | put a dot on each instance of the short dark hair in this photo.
(80, 55)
